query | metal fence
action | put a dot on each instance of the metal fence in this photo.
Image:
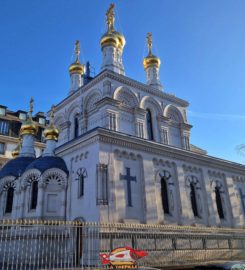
(36, 244)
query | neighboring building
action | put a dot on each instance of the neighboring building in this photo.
(10, 123)
(123, 155)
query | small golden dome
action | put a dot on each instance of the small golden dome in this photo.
(28, 127)
(151, 61)
(112, 37)
(76, 68)
(121, 39)
(51, 133)
(109, 39)
(16, 151)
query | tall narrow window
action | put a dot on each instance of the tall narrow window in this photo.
(149, 125)
(112, 121)
(76, 127)
(81, 185)
(102, 184)
(82, 174)
(193, 200)
(219, 203)
(164, 194)
(34, 195)
(9, 200)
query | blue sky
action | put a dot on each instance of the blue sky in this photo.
(201, 44)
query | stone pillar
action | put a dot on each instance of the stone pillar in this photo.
(185, 206)
(40, 199)
(232, 200)
(211, 203)
(63, 203)
(22, 201)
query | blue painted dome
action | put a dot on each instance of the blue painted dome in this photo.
(15, 167)
(44, 163)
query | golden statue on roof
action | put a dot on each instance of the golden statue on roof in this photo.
(110, 17)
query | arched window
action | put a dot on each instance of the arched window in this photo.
(193, 200)
(219, 203)
(76, 127)
(164, 194)
(149, 125)
(9, 200)
(34, 195)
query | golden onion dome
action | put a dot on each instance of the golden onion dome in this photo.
(112, 37)
(109, 39)
(121, 39)
(76, 68)
(16, 151)
(51, 133)
(28, 127)
(151, 61)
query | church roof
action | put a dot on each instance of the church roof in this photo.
(44, 163)
(16, 167)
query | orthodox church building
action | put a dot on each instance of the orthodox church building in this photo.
(118, 150)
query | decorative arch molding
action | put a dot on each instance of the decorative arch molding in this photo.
(217, 183)
(54, 176)
(126, 96)
(166, 174)
(164, 163)
(192, 179)
(80, 219)
(191, 169)
(151, 103)
(30, 176)
(127, 155)
(59, 119)
(173, 113)
(73, 110)
(91, 100)
(7, 182)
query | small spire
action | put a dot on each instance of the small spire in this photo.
(149, 43)
(52, 114)
(77, 44)
(110, 17)
(31, 107)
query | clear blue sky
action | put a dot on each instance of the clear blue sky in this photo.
(201, 44)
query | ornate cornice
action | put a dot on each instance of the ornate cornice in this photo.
(125, 80)
(138, 144)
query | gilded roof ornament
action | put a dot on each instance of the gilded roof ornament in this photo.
(77, 67)
(149, 42)
(150, 60)
(28, 127)
(110, 18)
(77, 44)
(31, 107)
(51, 132)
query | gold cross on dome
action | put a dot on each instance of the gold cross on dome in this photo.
(149, 42)
(77, 44)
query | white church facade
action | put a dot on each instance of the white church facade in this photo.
(118, 150)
